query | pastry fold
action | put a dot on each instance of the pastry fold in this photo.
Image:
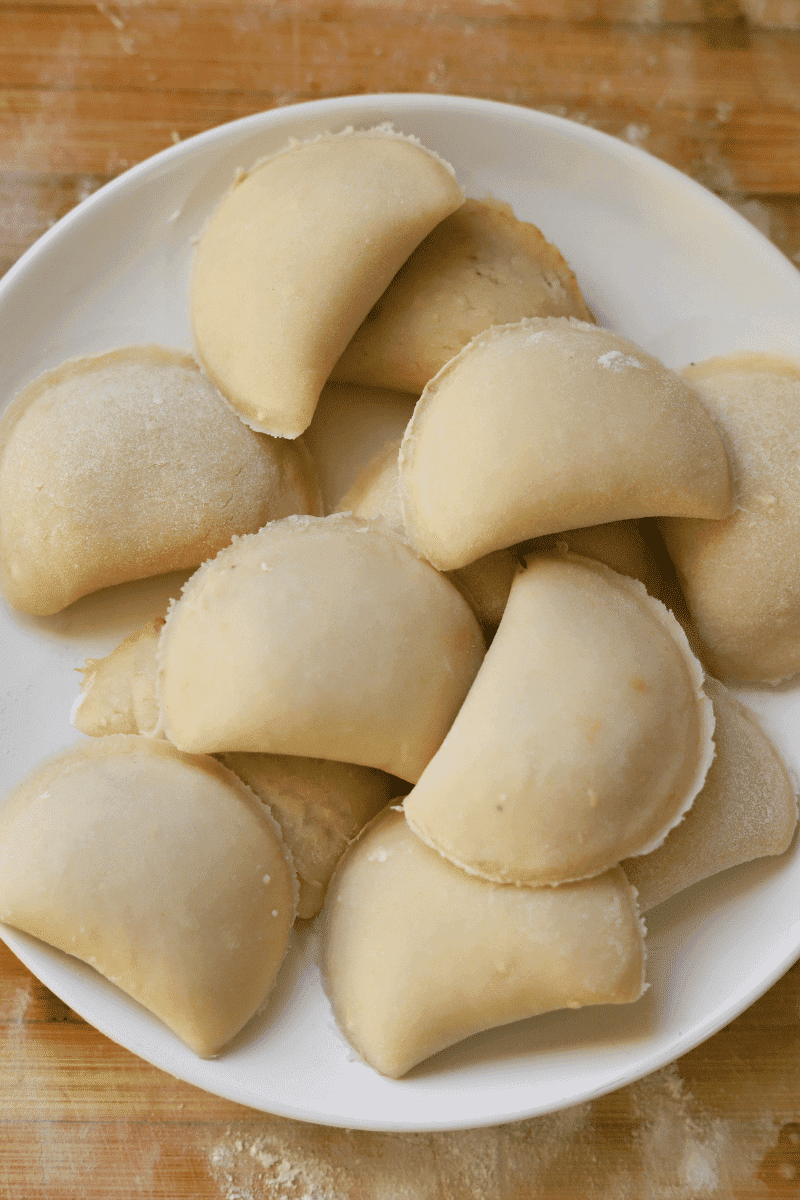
(583, 740)
(160, 870)
(547, 425)
(326, 638)
(295, 256)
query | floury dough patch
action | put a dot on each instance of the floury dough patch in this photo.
(129, 464)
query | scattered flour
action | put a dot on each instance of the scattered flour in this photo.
(651, 1141)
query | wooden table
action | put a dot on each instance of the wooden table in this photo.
(86, 90)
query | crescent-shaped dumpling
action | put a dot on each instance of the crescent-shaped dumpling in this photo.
(419, 955)
(160, 870)
(320, 806)
(129, 464)
(479, 267)
(741, 576)
(583, 740)
(547, 425)
(294, 258)
(320, 637)
(746, 809)
(485, 583)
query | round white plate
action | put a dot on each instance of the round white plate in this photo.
(659, 259)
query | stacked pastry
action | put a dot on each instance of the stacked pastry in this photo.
(316, 667)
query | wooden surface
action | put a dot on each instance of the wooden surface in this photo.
(86, 90)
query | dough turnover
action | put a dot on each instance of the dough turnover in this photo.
(326, 638)
(320, 806)
(547, 425)
(583, 740)
(160, 870)
(746, 809)
(741, 576)
(128, 464)
(418, 954)
(295, 256)
(479, 267)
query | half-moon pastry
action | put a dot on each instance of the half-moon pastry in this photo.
(583, 740)
(321, 637)
(419, 955)
(296, 255)
(320, 806)
(162, 871)
(129, 464)
(547, 425)
(479, 267)
(118, 692)
(746, 809)
(485, 583)
(741, 576)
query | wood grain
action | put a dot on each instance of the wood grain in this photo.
(86, 90)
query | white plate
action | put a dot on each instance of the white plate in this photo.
(660, 260)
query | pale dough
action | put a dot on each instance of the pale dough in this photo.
(583, 740)
(118, 692)
(746, 809)
(479, 267)
(741, 576)
(162, 871)
(129, 464)
(547, 425)
(418, 955)
(320, 806)
(326, 638)
(295, 256)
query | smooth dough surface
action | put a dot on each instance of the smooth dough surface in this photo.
(160, 870)
(419, 955)
(583, 740)
(479, 267)
(320, 806)
(547, 425)
(746, 809)
(486, 582)
(741, 576)
(295, 256)
(118, 692)
(129, 464)
(320, 637)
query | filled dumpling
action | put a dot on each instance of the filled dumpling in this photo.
(296, 255)
(479, 267)
(741, 576)
(746, 809)
(418, 954)
(583, 740)
(161, 870)
(326, 638)
(129, 464)
(547, 425)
